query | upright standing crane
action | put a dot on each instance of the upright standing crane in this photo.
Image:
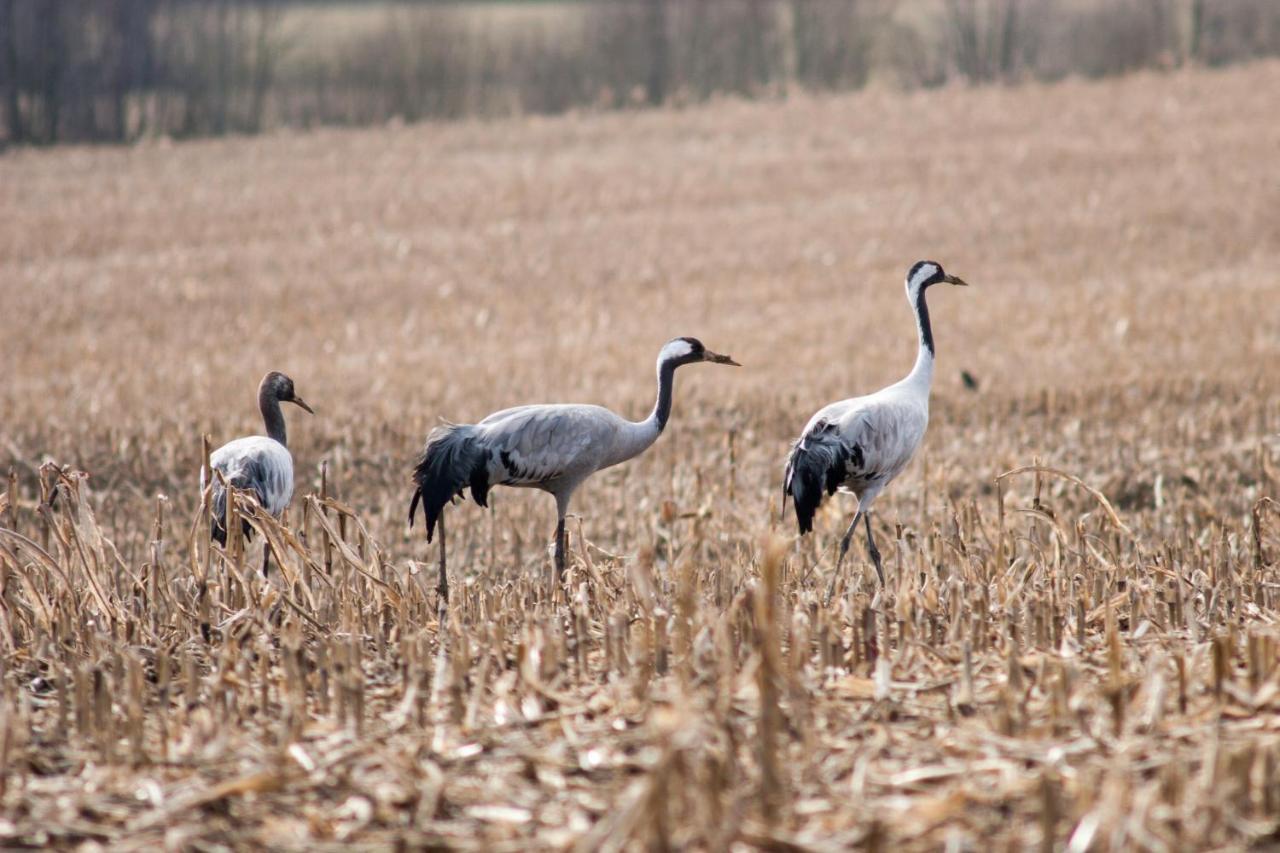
(859, 445)
(261, 464)
(550, 447)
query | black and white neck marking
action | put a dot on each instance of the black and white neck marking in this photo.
(673, 354)
(922, 275)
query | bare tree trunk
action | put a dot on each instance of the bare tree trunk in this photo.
(699, 42)
(1197, 29)
(158, 82)
(1008, 39)
(135, 67)
(756, 31)
(222, 67)
(1165, 46)
(9, 63)
(659, 51)
(52, 41)
(963, 17)
(788, 50)
(263, 61)
(122, 29)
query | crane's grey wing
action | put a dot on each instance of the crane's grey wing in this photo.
(542, 444)
(524, 446)
(890, 433)
(256, 464)
(273, 481)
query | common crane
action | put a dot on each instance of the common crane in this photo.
(550, 447)
(859, 445)
(257, 463)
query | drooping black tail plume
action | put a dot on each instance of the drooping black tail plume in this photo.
(818, 464)
(454, 459)
(218, 519)
(218, 531)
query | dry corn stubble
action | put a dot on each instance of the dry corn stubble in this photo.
(1052, 663)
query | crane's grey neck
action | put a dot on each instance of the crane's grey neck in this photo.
(666, 388)
(272, 417)
(924, 358)
(638, 436)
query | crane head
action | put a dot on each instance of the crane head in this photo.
(281, 387)
(680, 351)
(928, 273)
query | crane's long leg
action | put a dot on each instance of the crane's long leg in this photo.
(560, 548)
(266, 556)
(872, 551)
(844, 549)
(848, 537)
(442, 584)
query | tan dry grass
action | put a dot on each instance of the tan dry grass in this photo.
(1033, 670)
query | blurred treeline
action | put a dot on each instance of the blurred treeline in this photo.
(114, 70)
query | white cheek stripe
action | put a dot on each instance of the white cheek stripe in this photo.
(922, 274)
(675, 349)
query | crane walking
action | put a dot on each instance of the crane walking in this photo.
(859, 445)
(261, 464)
(550, 447)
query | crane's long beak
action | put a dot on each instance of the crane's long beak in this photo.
(717, 358)
(301, 403)
(955, 279)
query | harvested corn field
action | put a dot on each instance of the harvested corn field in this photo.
(1077, 645)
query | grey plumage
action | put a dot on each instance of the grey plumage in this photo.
(255, 467)
(549, 447)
